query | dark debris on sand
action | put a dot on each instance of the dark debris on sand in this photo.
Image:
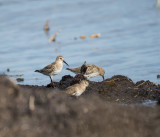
(38, 111)
(67, 81)
(117, 89)
(123, 90)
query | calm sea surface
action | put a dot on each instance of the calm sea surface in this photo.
(129, 42)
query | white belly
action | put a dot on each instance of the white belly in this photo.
(56, 71)
(78, 92)
(91, 75)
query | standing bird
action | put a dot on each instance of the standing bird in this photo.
(53, 68)
(88, 71)
(77, 89)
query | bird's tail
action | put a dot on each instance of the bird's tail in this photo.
(37, 71)
(74, 70)
(70, 69)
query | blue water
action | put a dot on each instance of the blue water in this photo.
(129, 42)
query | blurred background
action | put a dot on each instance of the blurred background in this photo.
(129, 42)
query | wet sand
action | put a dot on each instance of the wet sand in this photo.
(109, 108)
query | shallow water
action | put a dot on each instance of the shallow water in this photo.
(150, 102)
(129, 42)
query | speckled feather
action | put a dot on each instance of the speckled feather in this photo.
(53, 68)
(91, 71)
(77, 89)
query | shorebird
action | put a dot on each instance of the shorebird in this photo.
(53, 68)
(77, 89)
(88, 71)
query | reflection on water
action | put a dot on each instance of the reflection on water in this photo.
(128, 45)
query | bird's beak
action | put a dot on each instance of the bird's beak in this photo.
(65, 63)
(103, 77)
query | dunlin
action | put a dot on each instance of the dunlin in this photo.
(77, 89)
(88, 71)
(53, 68)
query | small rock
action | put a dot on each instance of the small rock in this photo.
(75, 38)
(52, 85)
(117, 100)
(20, 79)
(8, 70)
(83, 37)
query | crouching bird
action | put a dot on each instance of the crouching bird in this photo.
(88, 71)
(77, 89)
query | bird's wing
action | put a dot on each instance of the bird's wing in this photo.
(48, 68)
(70, 90)
(91, 69)
(75, 70)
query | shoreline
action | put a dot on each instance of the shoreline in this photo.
(118, 89)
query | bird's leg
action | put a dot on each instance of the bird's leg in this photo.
(51, 79)
(103, 77)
